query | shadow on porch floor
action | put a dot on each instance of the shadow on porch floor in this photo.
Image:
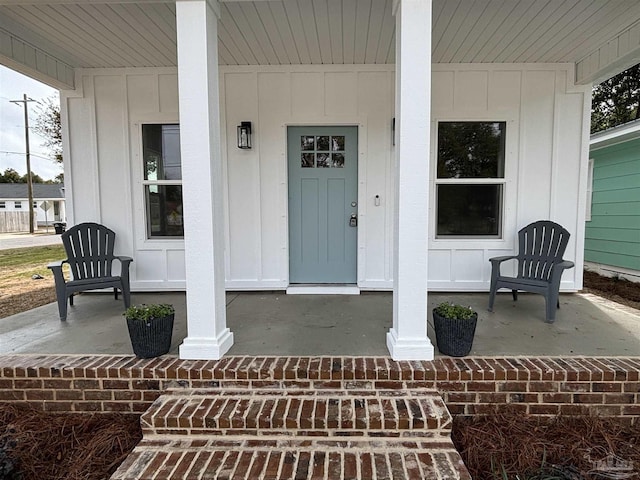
(273, 323)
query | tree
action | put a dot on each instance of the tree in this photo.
(35, 178)
(10, 176)
(616, 101)
(49, 127)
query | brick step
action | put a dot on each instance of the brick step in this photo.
(230, 433)
(297, 459)
(309, 413)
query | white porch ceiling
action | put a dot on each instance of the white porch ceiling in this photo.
(108, 33)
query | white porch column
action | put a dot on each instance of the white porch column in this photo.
(197, 35)
(408, 340)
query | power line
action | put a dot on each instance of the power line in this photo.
(23, 153)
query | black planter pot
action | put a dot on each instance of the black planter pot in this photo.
(151, 338)
(454, 337)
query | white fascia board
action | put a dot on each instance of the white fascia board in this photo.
(35, 62)
(612, 136)
(612, 57)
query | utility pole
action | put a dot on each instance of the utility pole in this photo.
(25, 100)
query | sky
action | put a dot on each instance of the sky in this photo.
(12, 142)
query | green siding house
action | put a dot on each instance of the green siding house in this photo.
(612, 242)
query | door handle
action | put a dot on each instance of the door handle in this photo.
(353, 220)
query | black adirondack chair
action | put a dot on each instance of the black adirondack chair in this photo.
(89, 248)
(540, 265)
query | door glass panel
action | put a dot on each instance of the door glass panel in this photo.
(337, 160)
(307, 160)
(307, 143)
(337, 143)
(323, 160)
(322, 143)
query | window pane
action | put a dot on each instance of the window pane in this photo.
(471, 149)
(307, 143)
(322, 143)
(323, 160)
(307, 160)
(161, 152)
(337, 143)
(469, 210)
(164, 210)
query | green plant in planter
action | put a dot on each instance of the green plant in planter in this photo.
(150, 329)
(149, 312)
(453, 311)
(455, 327)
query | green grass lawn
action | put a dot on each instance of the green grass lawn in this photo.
(21, 263)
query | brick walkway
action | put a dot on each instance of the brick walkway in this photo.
(295, 434)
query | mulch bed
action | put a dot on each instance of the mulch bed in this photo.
(510, 445)
(614, 288)
(35, 445)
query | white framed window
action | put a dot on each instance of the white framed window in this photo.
(470, 179)
(17, 205)
(162, 180)
(35, 204)
(589, 190)
(3, 205)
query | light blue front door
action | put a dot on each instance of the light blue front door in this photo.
(323, 195)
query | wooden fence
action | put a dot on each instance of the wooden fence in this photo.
(16, 222)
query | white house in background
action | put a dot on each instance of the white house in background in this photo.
(395, 145)
(48, 201)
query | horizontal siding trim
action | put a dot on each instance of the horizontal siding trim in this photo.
(609, 150)
(612, 246)
(613, 234)
(602, 170)
(615, 208)
(617, 183)
(606, 258)
(630, 222)
(616, 196)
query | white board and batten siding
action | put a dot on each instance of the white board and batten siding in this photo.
(546, 162)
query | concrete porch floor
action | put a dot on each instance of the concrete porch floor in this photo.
(273, 323)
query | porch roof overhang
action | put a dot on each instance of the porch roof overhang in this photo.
(49, 39)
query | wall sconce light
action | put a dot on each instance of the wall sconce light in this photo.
(244, 135)
(393, 131)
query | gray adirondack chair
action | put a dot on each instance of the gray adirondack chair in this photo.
(540, 265)
(89, 248)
